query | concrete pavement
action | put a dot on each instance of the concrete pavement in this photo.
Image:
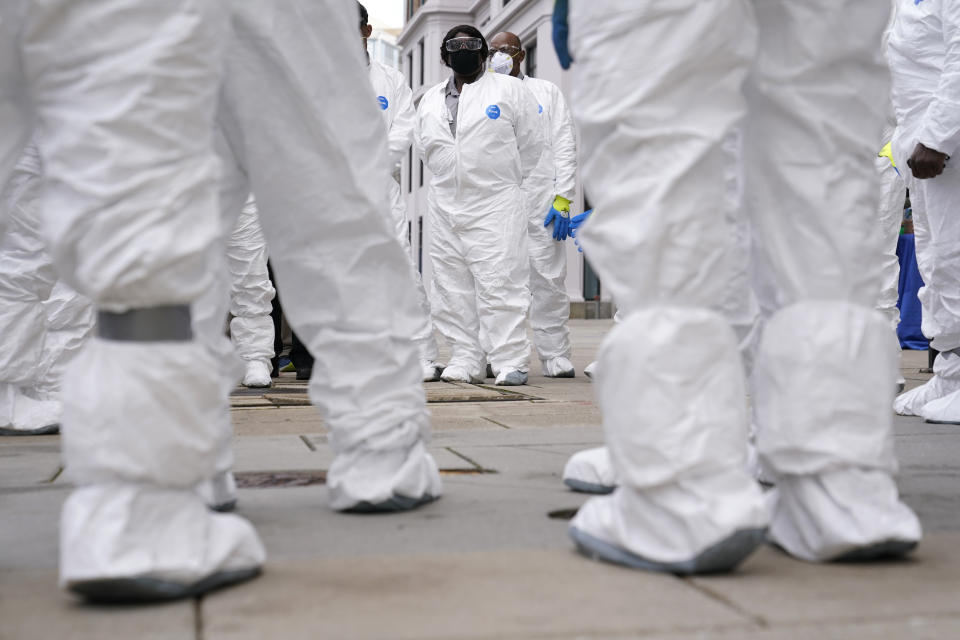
(488, 560)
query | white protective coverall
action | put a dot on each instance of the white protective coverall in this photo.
(395, 101)
(555, 175)
(319, 168)
(671, 384)
(251, 292)
(893, 195)
(479, 226)
(43, 322)
(746, 302)
(124, 128)
(924, 55)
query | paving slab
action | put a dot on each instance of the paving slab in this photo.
(476, 512)
(917, 628)
(275, 421)
(29, 525)
(450, 596)
(272, 453)
(28, 460)
(588, 436)
(786, 591)
(33, 608)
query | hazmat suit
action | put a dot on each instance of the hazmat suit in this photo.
(478, 246)
(924, 55)
(746, 296)
(395, 101)
(251, 292)
(124, 129)
(555, 175)
(671, 383)
(319, 168)
(42, 320)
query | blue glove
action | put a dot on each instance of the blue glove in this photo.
(575, 223)
(561, 32)
(559, 215)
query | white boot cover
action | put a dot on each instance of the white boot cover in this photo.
(675, 421)
(945, 381)
(590, 370)
(559, 367)
(21, 415)
(142, 429)
(384, 478)
(136, 542)
(945, 410)
(848, 514)
(590, 471)
(825, 372)
(257, 374)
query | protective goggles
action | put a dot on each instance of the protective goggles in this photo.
(507, 49)
(468, 44)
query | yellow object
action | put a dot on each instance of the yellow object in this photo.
(561, 204)
(887, 152)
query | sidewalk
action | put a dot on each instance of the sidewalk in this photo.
(487, 560)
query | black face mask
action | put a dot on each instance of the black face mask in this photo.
(465, 63)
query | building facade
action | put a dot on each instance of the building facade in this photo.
(427, 21)
(382, 46)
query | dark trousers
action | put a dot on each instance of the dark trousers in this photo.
(299, 355)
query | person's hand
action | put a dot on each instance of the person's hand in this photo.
(575, 223)
(561, 33)
(559, 215)
(926, 163)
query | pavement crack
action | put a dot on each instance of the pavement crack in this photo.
(198, 618)
(307, 442)
(756, 619)
(499, 424)
(460, 455)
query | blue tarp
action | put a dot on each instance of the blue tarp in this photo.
(910, 282)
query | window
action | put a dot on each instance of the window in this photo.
(532, 59)
(410, 69)
(420, 53)
(410, 169)
(413, 5)
(421, 173)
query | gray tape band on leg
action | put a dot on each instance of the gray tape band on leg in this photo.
(152, 324)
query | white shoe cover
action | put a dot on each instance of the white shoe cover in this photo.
(590, 370)
(590, 471)
(257, 374)
(945, 381)
(431, 370)
(458, 373)
(841, 513)
(911, 403)
(677, 522)
(511, 378)
(391, 480)
(220, 492)
(945, 410)
(30, 414)
(134, 531)
(558, 368)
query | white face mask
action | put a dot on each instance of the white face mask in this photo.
(501, 63)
